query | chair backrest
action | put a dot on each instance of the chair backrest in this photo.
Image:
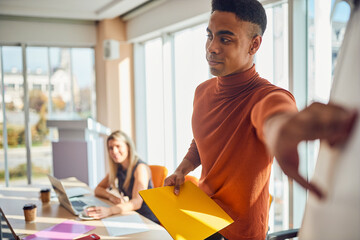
(193, 179)
(158, 175)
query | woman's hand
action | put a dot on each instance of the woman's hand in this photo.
(115, 199)
(98, 212)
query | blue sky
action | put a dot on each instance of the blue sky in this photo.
(341, 14)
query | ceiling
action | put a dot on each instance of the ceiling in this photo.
(71, 9)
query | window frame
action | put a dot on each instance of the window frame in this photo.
(49, 87)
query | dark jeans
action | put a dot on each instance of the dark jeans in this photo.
(216, 236)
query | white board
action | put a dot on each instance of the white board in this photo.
(337, 171)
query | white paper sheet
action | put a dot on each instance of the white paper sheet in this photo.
(124, 225)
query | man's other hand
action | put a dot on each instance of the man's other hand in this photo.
(283, 132)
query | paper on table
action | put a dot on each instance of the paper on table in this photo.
(123, 225)
(65, 230)
(190, 215)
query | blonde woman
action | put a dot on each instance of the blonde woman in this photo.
(128, 174)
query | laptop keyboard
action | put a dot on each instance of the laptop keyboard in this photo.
(78, 205)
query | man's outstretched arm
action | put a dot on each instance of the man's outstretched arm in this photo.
(284, 131)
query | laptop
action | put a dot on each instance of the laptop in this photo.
(6, 231)
(73, 204)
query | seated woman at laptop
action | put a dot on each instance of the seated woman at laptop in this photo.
(127, 173)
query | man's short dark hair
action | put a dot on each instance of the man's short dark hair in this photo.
(245, 10)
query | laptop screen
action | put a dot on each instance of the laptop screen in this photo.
(6, 231)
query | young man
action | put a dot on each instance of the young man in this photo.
(240, 121)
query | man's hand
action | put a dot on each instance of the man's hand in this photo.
(283, 132)
(176, 179)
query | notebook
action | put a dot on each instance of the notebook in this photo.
(66, 230)
(74, 204)
(6, 231)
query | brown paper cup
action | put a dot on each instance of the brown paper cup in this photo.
(29, 212)
(45, 195)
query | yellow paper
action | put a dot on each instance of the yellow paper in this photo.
(190, 215)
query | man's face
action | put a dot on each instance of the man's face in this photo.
(228, 44)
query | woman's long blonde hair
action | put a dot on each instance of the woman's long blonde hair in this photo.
(132, 155)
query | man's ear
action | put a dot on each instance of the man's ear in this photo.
(255, 44)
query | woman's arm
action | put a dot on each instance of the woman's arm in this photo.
(101, 191)
(141, 181)
(141, 175)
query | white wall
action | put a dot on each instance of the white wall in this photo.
(170, 16)
(81, 34)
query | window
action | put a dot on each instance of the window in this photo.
(12, 152)
(51, 88)
(272, 64)
(36, 87)
(60, 77)
(38, 77)
(154, 102)
(174, 65)
(191, 69)
(83, 72)
(324, 42)
(10, 86)
(71, 90)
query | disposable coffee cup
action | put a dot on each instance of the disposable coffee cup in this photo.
(45, 195)
(29, 212)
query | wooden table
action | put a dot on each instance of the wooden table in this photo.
(12, 200)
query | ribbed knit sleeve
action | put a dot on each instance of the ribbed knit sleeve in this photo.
(275, 102)
(193, 154)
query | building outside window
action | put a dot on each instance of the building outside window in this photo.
(47, 68)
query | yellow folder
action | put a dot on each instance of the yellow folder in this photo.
(190, 215)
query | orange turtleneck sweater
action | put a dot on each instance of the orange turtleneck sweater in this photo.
(227, 122)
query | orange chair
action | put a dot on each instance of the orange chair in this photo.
(158, 175)
(192, 179)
